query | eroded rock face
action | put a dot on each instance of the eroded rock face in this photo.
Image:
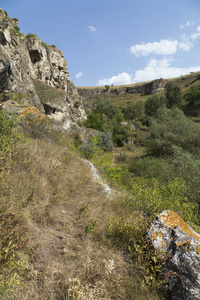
(26, 61)
(5, 70)
(172, 236)
(148, 88)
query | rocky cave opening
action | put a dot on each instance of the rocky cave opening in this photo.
(2, 39)
(35, 56)
(49, 110)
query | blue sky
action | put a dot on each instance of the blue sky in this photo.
(116, 41)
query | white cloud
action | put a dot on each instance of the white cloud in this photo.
(164, 47)
(185, 46)
(196, 35)
(185, 43)
(187, 24)
(155, 69)
(78, 75)
(161, 69)
(92, 28)
(120, 79)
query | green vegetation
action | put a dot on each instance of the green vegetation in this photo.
(44, 45)
(31, 35)
(48, 94)
(174, 96)
(17, 31)
(61, 237)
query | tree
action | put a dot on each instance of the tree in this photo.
(106, 108)
(174, 96)
(94, 121)
(152, 104)
(133, 111)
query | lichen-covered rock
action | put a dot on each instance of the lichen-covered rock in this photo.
(25, 63)
(173, 237)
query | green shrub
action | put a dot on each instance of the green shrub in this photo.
(31, 35)
(152, 104)
(34, 122)
(105, 141)
(117, 173)
(174, 96)
(90, 149)
(154, 197)
(172, 128)
(17, 29)
(94, 120)
(150, 167)
(120, 134)
(193, 94)
(134, 111)
(44, 45)
(122, 157)
(7, 137)
(106, 108)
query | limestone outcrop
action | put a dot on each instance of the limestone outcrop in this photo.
(171, 236)
(34, 73)
(147, 88)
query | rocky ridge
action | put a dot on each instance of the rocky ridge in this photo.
(33, 73)
(147, 88)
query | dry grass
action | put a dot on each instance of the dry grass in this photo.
(187, 78)
(52, 190)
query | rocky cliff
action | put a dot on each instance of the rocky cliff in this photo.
(33, 73)
(147, 88)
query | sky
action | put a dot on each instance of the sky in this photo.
(116, 42)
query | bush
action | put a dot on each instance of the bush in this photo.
(34, 122)
(105, 141)
(134, 111)
(106, 108)
(120, 134)
(174, 96)
(94, 120)
(7, 137)
(193, 94)
(122, 157)
(172, 128)
(31, 35)
(154, 197)
(91, 149)
(153, 103)
(17, 29)
(150, 167)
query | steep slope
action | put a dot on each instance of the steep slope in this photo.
(33, 73)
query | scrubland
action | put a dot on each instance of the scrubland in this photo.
(61, 235)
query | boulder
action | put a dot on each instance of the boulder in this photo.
(177, 241)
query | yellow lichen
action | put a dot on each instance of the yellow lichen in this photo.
(172, 219)
(186, 244)
(198, 249)
(156, 234)
(30, 110)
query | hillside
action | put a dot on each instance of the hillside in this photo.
(78, 195)
(122, 95)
